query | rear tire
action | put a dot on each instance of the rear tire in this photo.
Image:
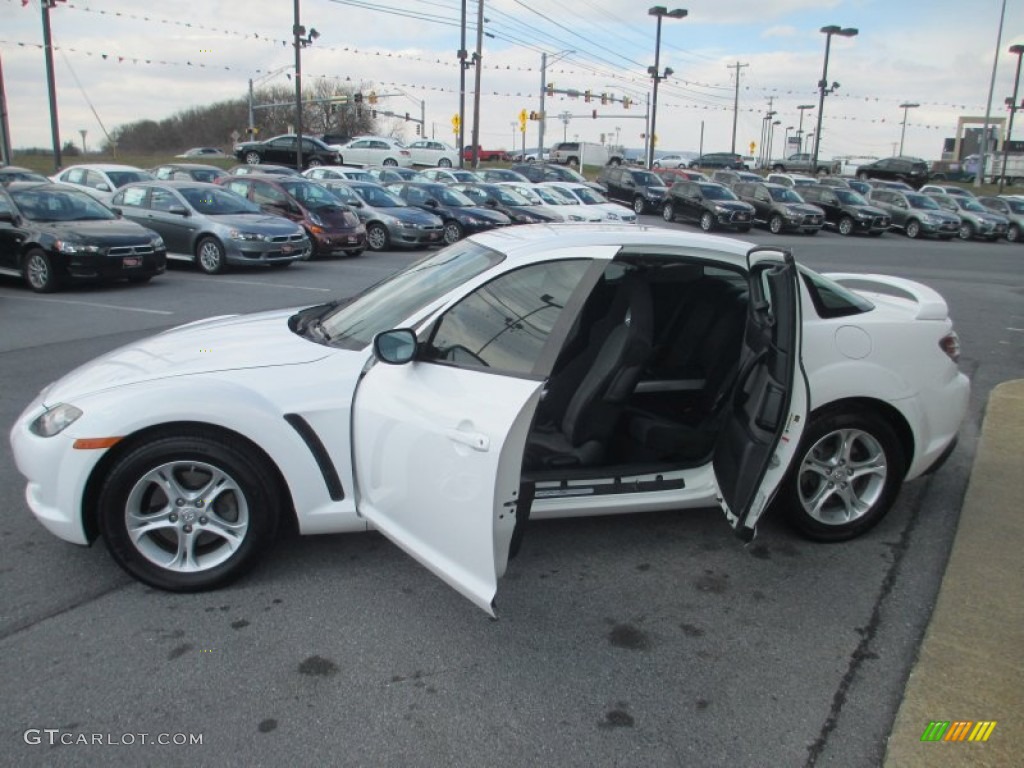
(252, 158)
(444, 162)
(848, 472)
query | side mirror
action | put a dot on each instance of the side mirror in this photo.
(178, 210)
(103, 187)
(117, 211)
(395, 347)
(431, 203)
(491, 203)
(7, 216)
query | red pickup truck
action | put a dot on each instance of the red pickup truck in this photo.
(485, 154)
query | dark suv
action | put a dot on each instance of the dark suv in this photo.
(916, 214)
(643, 190)
(847, 210)
(713, 206)
(911, 170)
(719, 160)
(780, 208)
(538, 172)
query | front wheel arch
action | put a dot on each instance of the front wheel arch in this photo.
(90, 497)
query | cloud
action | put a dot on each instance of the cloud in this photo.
(780, 30)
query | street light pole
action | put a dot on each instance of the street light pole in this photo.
(800, 130)
(658, 11)
(51, 86)
(823, 83)
(1019, 50)
(297, 33)
(771, 139)
(906, 107)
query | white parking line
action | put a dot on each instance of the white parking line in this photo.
(257, 282)
(92, 304)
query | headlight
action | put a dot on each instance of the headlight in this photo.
(862, 216)
(574, 217)
(316, 220)
(792, 214)
(613, 216)
(69, 246)
(157, 243)
(55, 420)
(237, 234)
(721, 209)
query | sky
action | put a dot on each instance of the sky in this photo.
(117, 61)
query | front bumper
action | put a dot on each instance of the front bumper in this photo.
(114, 265)
(259, 252)
(412, 235)
(339, 242)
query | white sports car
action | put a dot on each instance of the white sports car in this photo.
(540, 371)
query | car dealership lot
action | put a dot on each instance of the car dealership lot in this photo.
(645, 640)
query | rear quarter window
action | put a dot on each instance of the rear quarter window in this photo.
(830, 299)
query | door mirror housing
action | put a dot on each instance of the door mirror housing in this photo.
(395, 347)
(179, 210)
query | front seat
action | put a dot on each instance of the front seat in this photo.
(580, 435)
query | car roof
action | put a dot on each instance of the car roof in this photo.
(102, 167)
(521, 243)
(172, 183)
(201, 166)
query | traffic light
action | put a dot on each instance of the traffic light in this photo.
(373, 97)
(373, 113)
(417, 129)
(594, 115)
(626, 101)
(604, 98)
(586, 96)
(551, 89)
(358, 98)
(406, 117)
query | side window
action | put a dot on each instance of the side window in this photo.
(75, 176)
(163, 172)
(506, 323)
(240, 188)
(762, 195)
(264, 194)
(133, 197)
(162, 200)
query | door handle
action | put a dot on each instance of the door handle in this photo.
(475, 440)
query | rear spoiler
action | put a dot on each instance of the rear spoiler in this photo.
(930, 305)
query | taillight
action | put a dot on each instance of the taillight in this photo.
(950, 344)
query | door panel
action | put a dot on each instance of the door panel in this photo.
(768, 403)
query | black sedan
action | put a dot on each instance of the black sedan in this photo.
(52, 234)
(507, 201)
(11, 173)
(461, 215)
(282, 149)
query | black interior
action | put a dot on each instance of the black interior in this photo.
(641, 382)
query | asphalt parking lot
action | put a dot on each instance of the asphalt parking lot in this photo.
(648, 640)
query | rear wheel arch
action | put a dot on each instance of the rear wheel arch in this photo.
(99, 474)
(879, 408)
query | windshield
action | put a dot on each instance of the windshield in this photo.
(945, 201)
(397, 298)
(556, 196)
(528, 193)
(449, 196)
(589, 196)
(849, 197)
(969, 204)
(568, 174)
(1017, 206)
(205, 176)
(923, 202)
(343, 193)
(784, 195)
(311, 195)
(715, 192)
(216, 202)
(379, 197)
(508, 196)
(66, 205)
(647, 179)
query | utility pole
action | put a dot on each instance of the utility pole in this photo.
(477, 60)
(462, 85)
(736, 101)
(46, 5)
(988, 108)
(6, 151)
(297, 33)
(543, 89)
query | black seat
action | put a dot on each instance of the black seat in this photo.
(602, 378)
(705, 348)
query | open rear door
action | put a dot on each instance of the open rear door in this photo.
(768, 404)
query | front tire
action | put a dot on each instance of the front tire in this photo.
(707, 221)
(210, 256)
(639, 206)
(188, 512)
(1013, 233)
(775, 225)
(390, 162)
(314, 163)
(966, 231)
(377, 237)
(846, 226)
(444, 162)
(849, 470)
(453, 232)
(913, 229)
(38, 272)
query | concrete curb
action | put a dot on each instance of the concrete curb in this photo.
(971, 664)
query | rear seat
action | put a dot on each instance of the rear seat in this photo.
(676, 416)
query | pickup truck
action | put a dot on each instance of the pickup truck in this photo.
(485, 155)
(804, 163)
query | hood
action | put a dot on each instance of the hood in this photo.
(225, 343)
(732, 205)
(336, 216)
(868, 210)
(260, 222)
(656, 191)
(410, 215)
(486, 214)
(111, 232)
(807, 210)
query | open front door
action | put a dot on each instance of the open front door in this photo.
(768, 403)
